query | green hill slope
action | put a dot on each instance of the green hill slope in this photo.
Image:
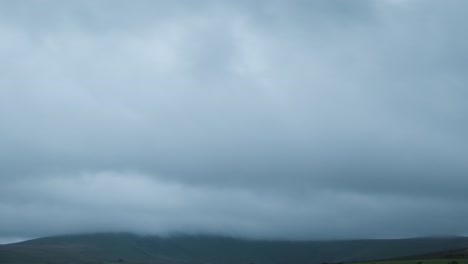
(127, 248)
(455, 256)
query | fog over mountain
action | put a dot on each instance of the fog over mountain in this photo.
(277, 119)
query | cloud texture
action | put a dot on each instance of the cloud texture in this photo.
(263, 119)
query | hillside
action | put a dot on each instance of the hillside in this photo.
(127, 248)
(454, 256)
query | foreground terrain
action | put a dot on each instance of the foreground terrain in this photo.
(455, 256)
(127, 248)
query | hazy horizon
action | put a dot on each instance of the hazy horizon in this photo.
(12, 240)
(297, 120)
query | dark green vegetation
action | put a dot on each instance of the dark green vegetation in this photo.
(455, 256)
(126, 248)
(418, 261)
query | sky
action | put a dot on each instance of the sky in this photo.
(279, 119)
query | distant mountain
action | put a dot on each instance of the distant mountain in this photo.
(127, 248)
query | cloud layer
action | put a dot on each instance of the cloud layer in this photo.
(271, 119)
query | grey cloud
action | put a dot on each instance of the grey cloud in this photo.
(221, 116)
(87, 202)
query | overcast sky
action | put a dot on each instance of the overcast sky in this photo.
(329, 119)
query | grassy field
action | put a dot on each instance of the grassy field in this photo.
(417, 261)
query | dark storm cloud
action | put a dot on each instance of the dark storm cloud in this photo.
(272, 119)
